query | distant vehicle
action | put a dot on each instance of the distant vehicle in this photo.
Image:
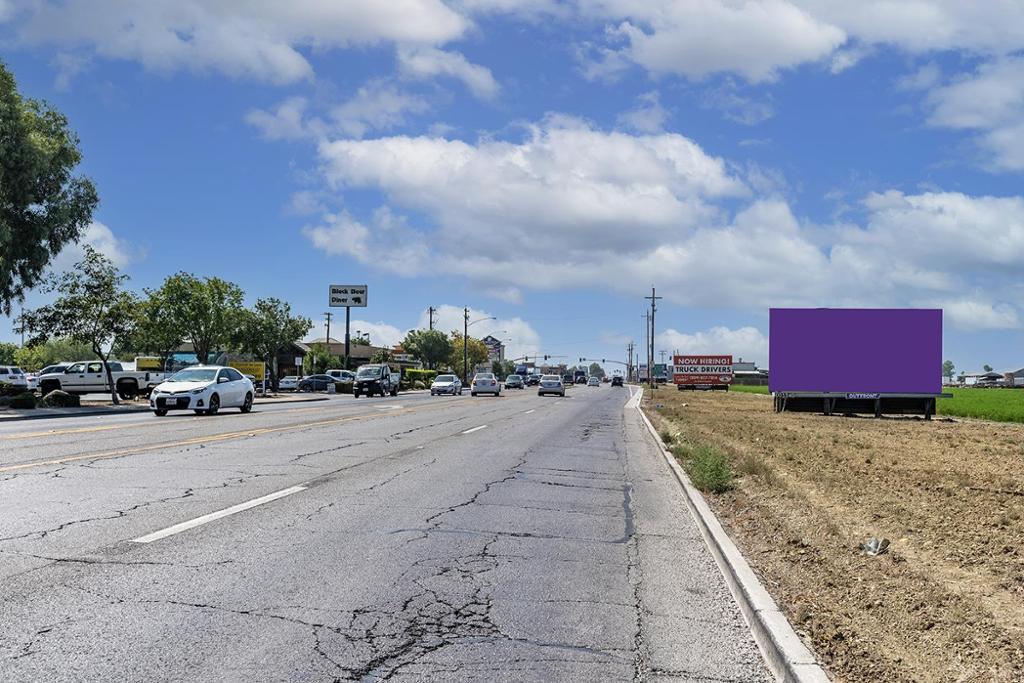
(88, 377)
(567, 379)
(593, 382)
(288, 383)
(375, 379)
(515, 382)
(12, 375)
(617, 381)
(485, 383)
(551, 384)
(579, 376)
(533, 379)
(446, 384)
(204, 389)
(341, 375)
(315, 383)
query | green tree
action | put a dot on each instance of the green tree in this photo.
(319, 359)
(155, 332)
(208, 312)
(948, 369)
(986, 368)
(268, 327)
(477, 351)
(8, 353)
(91, 308)
(382, 356)
(358, 341)
(37, 356)
(42, 206)
(595, 370)
(429, 346)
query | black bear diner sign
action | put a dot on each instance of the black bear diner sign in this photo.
(350, 296)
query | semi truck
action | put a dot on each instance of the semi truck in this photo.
(876, 361)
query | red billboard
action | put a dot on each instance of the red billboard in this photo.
(710, 370)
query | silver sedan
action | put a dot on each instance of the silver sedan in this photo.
(551, 384)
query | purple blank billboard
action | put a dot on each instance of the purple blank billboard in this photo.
(864, 350)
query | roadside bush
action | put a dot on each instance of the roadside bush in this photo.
(667, 437)
(709, 470)
(25, 401)
(418, 384)
(60, 399)
(425, 376)
(10, 390)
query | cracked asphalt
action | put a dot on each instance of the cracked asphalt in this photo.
(552, 545)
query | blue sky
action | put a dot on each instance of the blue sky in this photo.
(545, 162)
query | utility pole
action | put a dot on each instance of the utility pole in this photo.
(647, 345)
(348, 311)
(465, 345)
(329, 316)
(654, 307)
(431, 311)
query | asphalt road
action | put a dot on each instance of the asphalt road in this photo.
(411, 538)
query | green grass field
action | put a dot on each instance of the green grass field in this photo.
(1001, 405)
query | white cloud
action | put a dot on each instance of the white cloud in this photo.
(973, 314)
(648, 116)
(990, 101)
(260, 39)
(745, 342)
(518, 335)
(430, 62)
(380, 333)
(102, 239)
(376, 106)
(339, 234)
(755, 39)
(286, 122)
(737, 107)
(511, 295)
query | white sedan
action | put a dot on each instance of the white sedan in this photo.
(485, 383)
(446, 384)
(204, 389)
(289, 383)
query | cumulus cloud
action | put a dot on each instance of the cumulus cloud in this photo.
(376, 106)
(259, 39)
(285, 122)
(431, 62)
(744, 342)
(339, 234)
(102, 239)
(648, 116)
(380, 332)
(973, 314)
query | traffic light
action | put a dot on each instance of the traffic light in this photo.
(545, 356)
(603, 360)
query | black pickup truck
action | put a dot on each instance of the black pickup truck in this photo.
(376, 379)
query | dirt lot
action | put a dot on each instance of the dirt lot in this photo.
(946, 603)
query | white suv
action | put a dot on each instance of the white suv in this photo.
(13, 376)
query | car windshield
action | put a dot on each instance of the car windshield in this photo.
(550, 378)
(194, 375)
(485, 375)
(368, 371)
(445, 378)
(513, 378)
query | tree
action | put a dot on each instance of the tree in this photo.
(154, 333)
(382, 356)
(42, 206)
(986, 368)
(359, 341)
(477, 351)
(37, 356)
(596, 370)
(268, 327)
(948, 369)
(207, 312)
(91, 308)
(8, 352)
(429, 346)
(319, 359)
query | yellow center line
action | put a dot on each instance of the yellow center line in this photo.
(225, 436)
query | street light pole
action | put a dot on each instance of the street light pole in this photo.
(465, 345)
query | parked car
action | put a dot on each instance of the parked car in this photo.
(514, 382)
(376, 379)
(288, 383)
(485, 383)
(551, 384)
(593, 382)
(446, 384)
(88, 377)
(204, 389)
(315, 383)
(12, 375)
(617, 381)
(341, 375)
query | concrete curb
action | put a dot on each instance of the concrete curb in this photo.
(787, 657)
(83, 412)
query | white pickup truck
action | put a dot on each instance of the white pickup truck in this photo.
(87, 377)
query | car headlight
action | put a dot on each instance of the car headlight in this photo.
(196, 392)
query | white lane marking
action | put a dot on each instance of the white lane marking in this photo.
(529, 411)
(475, 429)
(388, 407)
(213, 516)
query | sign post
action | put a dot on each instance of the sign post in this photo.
(347, 296)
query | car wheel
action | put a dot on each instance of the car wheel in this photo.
(159, 413)
(247, 404)
(214, 405)
(355, 394)
(472, 393)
